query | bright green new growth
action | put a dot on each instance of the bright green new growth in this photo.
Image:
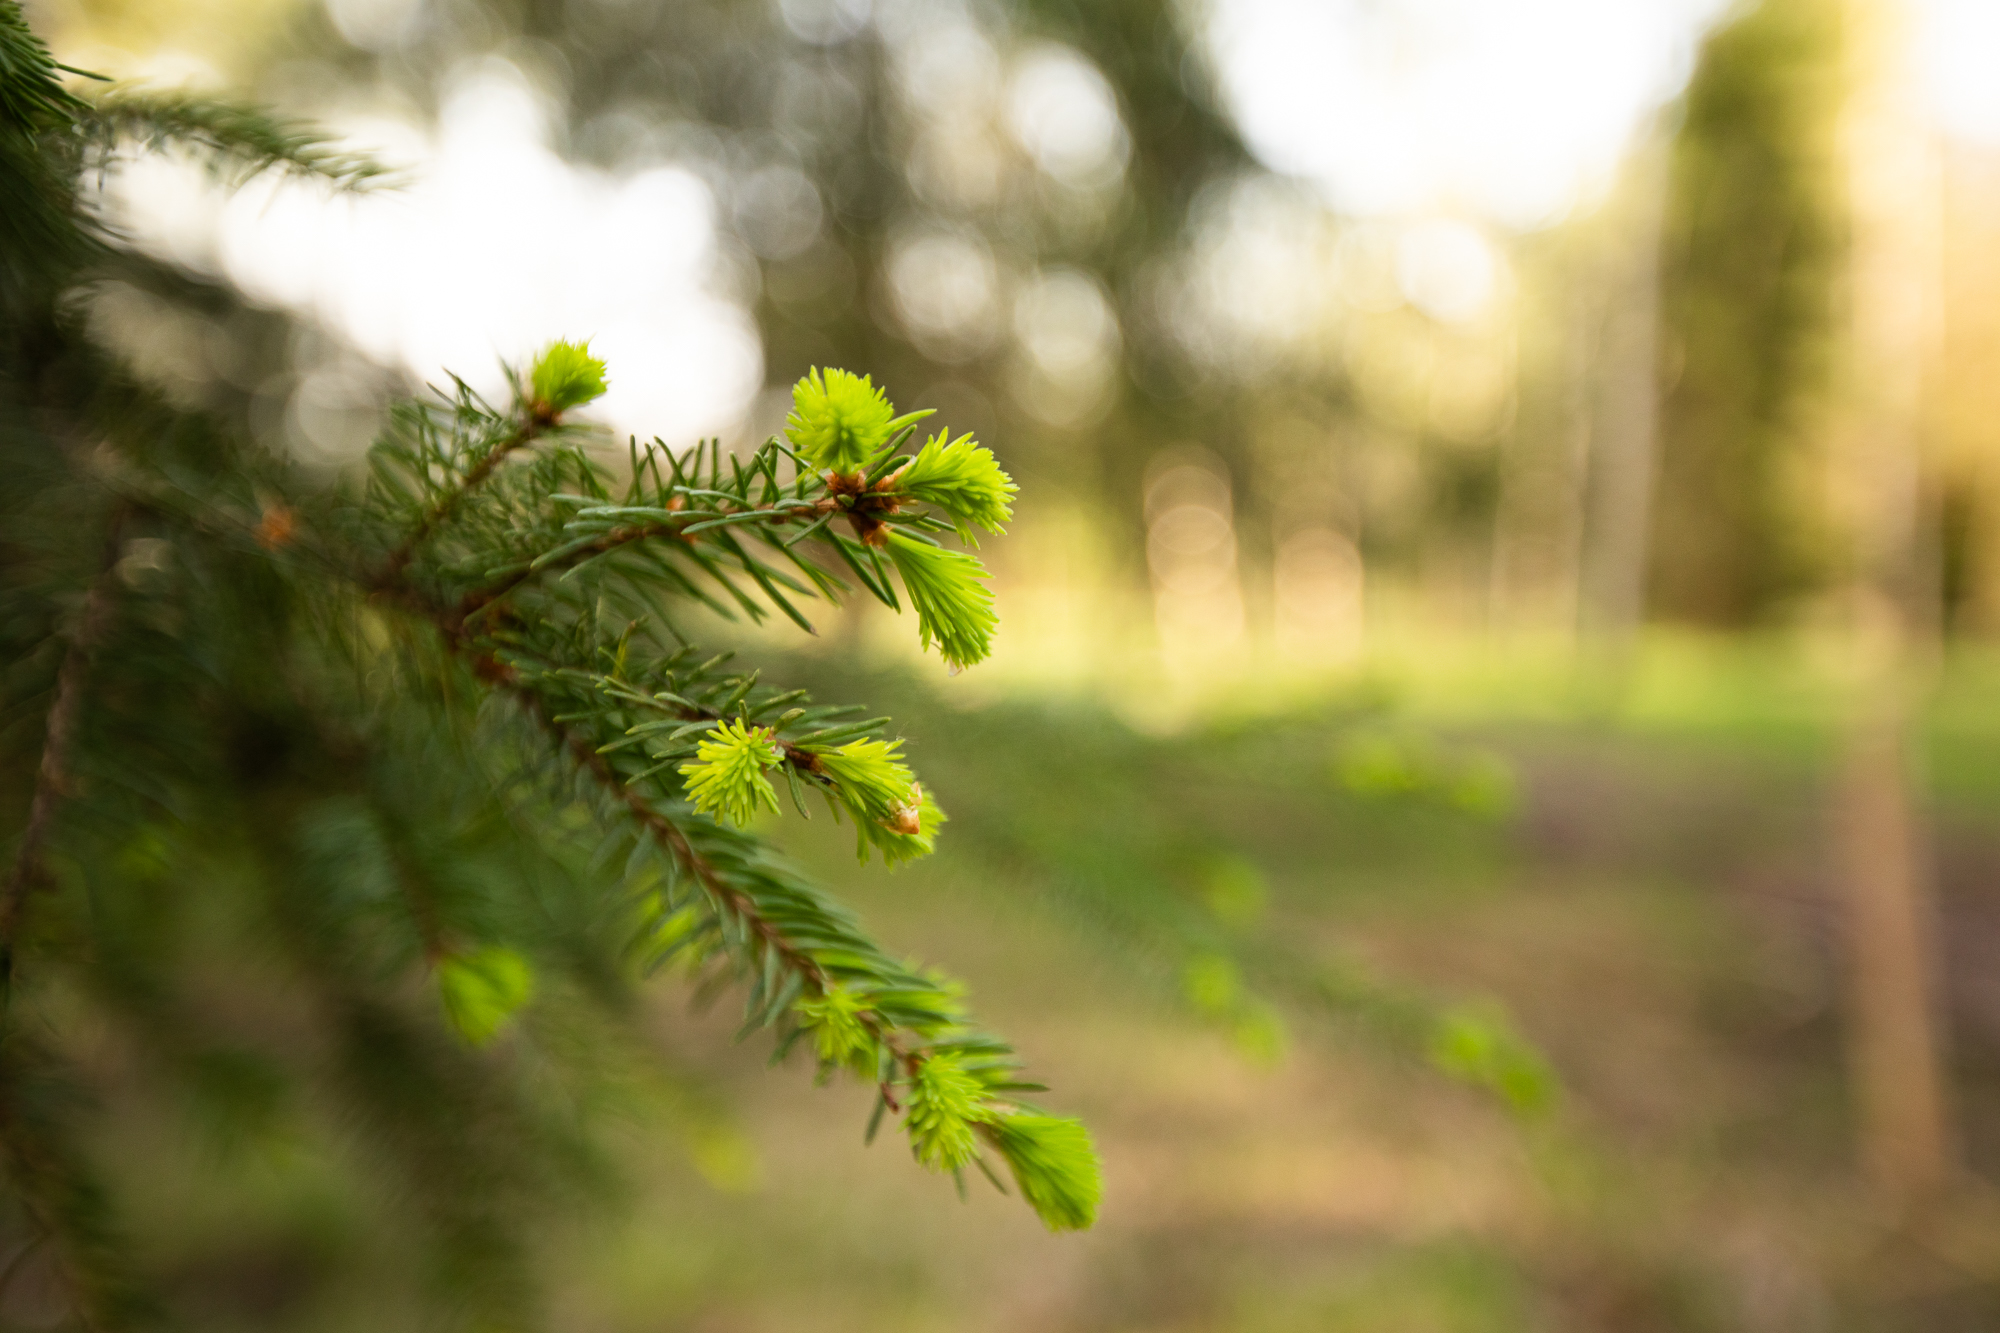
(840, 420)
(1055, 1165)
(566, 375)
(845, 424)
(954, 608)
(839, 1038)
(945, 1103)
(962, 478)
(892, 813)
(727, 777)
(481, 990)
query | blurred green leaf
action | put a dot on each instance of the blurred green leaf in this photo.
(1478, 1045)
(483, 989)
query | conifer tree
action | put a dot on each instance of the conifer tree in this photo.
(439, 726)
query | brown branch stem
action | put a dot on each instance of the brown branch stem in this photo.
(53, 780)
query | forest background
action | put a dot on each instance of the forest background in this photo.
(1507, 544)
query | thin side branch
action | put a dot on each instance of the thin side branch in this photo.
(450, 623)
(782, 511)
(669, 835)
(398, 563)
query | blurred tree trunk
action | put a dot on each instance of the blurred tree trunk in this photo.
(1625, 434)
(1896, 287)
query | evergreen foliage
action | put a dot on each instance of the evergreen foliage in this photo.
(964, 480)
(237, 142)
(481, 990)
(443, 724)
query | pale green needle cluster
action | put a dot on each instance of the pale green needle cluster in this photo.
(1052, 1158)
(841, 420)
(839, 1037)
(727, 778)
(945, 1103)
(565, 375)
(954, 605)
(1054, 1163)
(962, 478)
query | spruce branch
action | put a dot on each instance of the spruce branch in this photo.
(699, 528)
(520, 567)
(799, 949)
(239, 141)
(392, 570)
(32, 96)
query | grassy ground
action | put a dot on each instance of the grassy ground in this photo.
(1651, 903)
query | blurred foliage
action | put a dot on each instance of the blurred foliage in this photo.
(902, 200)
(1172, 874)
(1753, 256)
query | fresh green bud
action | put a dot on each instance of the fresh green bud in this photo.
(945, 1103)
(1055, 1165)
(953, 607)
(838, 1033)
(727, 778)
(892, 813)
(481, 990)
(566, 375)
(840, 420)
(910, 833)
(964, 480)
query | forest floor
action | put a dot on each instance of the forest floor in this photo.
(1646, 890)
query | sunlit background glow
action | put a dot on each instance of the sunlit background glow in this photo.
(492, 246)
(1442, 118)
